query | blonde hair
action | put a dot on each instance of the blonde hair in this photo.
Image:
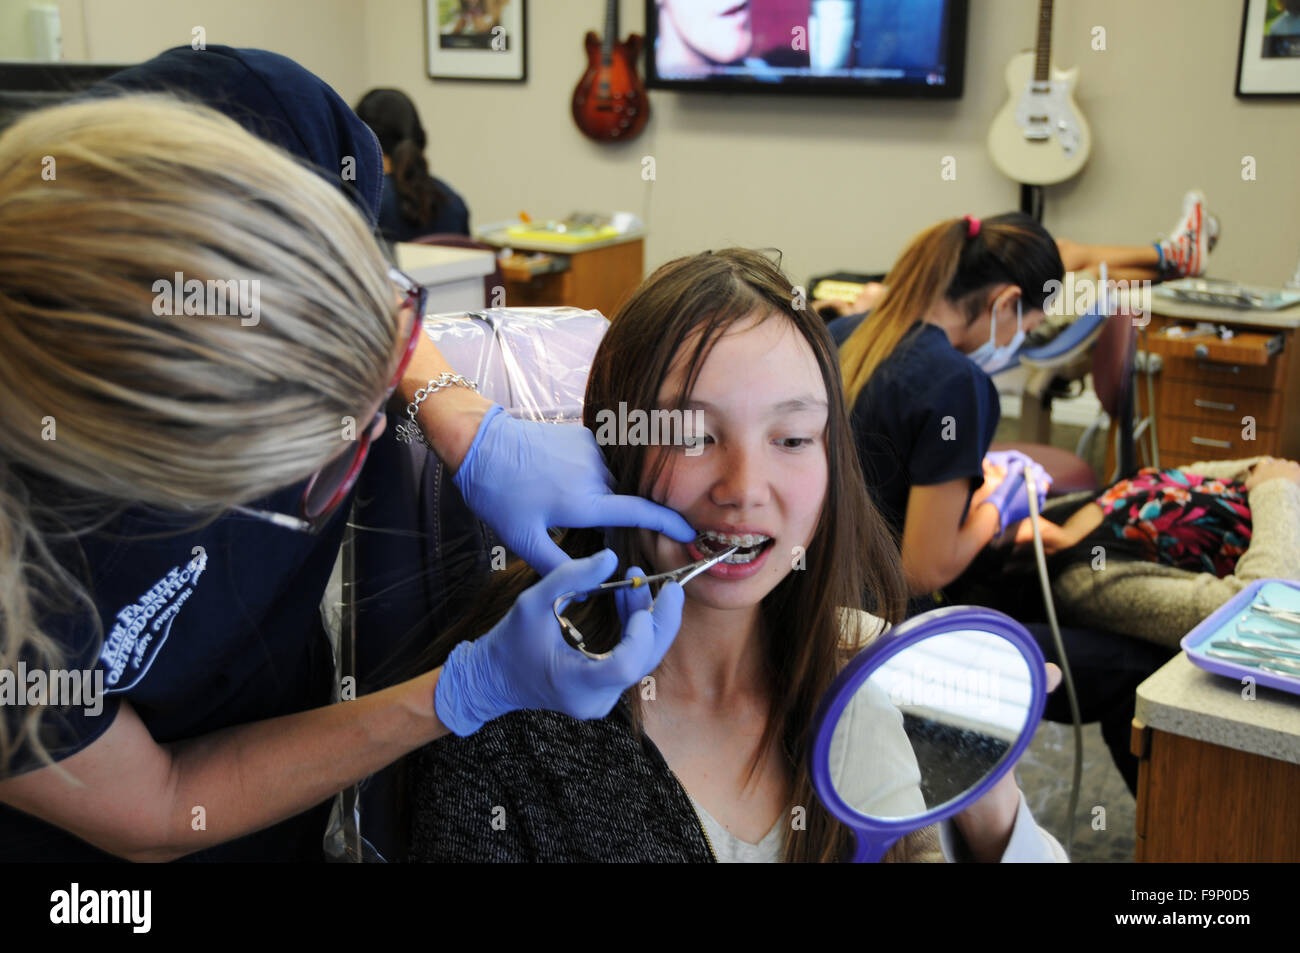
(106, 399)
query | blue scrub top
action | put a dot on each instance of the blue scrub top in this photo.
(926, 416)
(212, 626)
(202, 629)
(451, 217)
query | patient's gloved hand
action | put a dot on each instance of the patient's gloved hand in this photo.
(522, 477)
(524, 662)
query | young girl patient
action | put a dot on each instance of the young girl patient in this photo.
(707, 758)
(1175, 517)
(1154, 555)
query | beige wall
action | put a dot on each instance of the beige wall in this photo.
(323, 35)
(843, 183)
(834, 183)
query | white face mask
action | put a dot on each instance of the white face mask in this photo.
(991, 358)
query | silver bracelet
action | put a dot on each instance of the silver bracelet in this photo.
(408, 431)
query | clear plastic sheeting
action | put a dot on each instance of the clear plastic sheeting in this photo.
(534, 362)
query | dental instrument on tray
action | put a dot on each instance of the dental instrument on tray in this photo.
(1244, 657)
(1276, 614)
(1288, 656)
(680, 576)
(1286, 640)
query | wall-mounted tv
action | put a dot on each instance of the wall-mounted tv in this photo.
(850, 47)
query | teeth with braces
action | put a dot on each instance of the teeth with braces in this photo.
(745, 540)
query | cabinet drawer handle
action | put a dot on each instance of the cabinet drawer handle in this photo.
(1223, 368)
(1213, 405)
(1207, 442)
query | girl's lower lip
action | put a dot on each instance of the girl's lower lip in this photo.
(730, 571)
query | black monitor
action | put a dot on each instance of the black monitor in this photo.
(848, 47)
(27, 85)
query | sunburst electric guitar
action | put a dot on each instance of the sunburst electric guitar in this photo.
(1040, 137)
(610, 102)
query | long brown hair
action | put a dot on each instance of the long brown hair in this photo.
(392, 117)
(945, 261)
(852, 560)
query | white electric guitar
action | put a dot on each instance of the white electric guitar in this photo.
(1040, 137)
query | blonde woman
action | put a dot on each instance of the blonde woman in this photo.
(174, 477)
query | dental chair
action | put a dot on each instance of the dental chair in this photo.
(1113, 341)
(415, 552)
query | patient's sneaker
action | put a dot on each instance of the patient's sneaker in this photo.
(1184, 252)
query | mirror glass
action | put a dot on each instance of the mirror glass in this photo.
(930, 723)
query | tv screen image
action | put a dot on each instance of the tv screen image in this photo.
(862, 47)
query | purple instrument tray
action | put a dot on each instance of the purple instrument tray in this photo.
(1223, 623)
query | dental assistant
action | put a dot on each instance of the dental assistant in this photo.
(173, 489)
(959, 299)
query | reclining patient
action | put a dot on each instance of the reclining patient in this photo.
(1156, 554)
(707, 758)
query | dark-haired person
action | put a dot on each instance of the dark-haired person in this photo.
(1184, 253)
(962, 295)
(414, 202)
(708, 759)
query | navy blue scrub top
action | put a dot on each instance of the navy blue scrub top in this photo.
(926, 416)
(202, 629)
(451, 217)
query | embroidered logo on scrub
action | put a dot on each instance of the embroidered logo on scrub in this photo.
(141, 629)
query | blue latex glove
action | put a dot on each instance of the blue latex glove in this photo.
(522, 477)
(1010, 498)
(523, 662)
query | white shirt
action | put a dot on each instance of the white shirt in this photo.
(875, 769)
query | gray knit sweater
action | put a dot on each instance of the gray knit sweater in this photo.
(540, 786)
(1162, 603)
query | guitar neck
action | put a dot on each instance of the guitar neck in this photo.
(611, 32)
(1043, 53)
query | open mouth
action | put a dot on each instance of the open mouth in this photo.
(751, 545)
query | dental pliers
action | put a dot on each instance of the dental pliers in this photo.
(680, 576)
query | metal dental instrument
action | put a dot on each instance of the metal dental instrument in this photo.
(1286, 640)
(1277, 614)
(1288, 655)
(1241, 657)
(680, 576)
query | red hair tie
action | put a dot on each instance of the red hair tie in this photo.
(972, 226)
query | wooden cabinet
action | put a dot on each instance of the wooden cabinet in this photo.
(1218, 768)
(1224, 400)
(599, 276)
(1202, 802)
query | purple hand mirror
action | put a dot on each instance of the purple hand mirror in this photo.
(924, 721)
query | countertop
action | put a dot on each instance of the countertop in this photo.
(1282, 320)
(1185, 700)
(440, 264)
(502, 239)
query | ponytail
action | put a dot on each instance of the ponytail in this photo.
(954, 260)
(392, 117)
(418, 195)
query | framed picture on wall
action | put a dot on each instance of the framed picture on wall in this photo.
(1268, 62)
(476, 39)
